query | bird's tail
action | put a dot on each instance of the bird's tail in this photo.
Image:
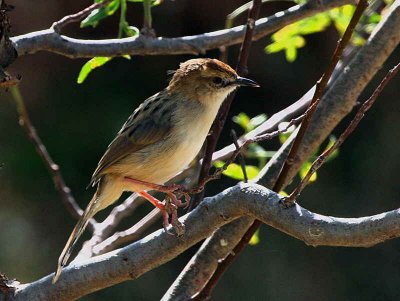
(90, 211)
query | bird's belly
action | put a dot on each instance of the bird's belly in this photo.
(162, 161)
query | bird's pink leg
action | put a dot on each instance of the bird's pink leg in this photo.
(157, 204)
(167, 189)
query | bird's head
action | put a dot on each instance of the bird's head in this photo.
(207, 80)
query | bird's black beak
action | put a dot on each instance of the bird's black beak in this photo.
(241, 81)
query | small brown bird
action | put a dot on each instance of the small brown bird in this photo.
(160, 138)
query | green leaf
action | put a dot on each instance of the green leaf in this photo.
(291, 54)
(304, 170)
(290, 38)
(255, 239)
(313, 24)
(243, 120)
(341, 17)
(374, 18)
(234, 170)
(90, 65)
(274, 47)
(97, 15)
(131, 31)
(283, 193)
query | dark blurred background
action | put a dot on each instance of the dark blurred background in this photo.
(76, 123)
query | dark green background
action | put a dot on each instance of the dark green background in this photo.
(76, 122)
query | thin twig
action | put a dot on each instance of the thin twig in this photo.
(320, 88)
(219, 121)
(77, 17)
(321, 85)
(25, 122)
(241, 157)
(352, 126)
(147, 29)
(129, 235)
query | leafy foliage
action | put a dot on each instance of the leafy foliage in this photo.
(124, 30)
(97, 15)
(91, 65)
(234, 170)
(290, 38)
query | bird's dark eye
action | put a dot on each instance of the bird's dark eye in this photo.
(217, 80)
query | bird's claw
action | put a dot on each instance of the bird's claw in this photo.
(170, 212)
(287, 202)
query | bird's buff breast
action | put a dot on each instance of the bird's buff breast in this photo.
(161, 161)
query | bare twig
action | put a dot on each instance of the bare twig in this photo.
(129, 235)
(77, 17)
(219, 121)
(25, 122)
(321, 85)
(147, 29)
(49, 40)
(241, 157)
(352, 126)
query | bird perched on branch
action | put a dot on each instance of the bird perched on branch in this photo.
(160, 138)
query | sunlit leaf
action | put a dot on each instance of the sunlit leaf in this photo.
(90, 65)
(255, 239)
(341, 17)
(99, 14)
(243, 120)
(234, 170)
(304, 170)
(374, 18)
(290, 37)
(312, 24)
(291, 54)
(274, 47)
(283, 193)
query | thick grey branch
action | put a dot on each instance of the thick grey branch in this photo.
(49, 40)
(241, 200)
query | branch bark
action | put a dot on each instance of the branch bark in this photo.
(49, 40)
(159, 247)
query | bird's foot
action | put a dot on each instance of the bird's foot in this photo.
(168, 208)
(174, 191)
(170, 213)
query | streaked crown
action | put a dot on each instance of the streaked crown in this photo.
(199, 78)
